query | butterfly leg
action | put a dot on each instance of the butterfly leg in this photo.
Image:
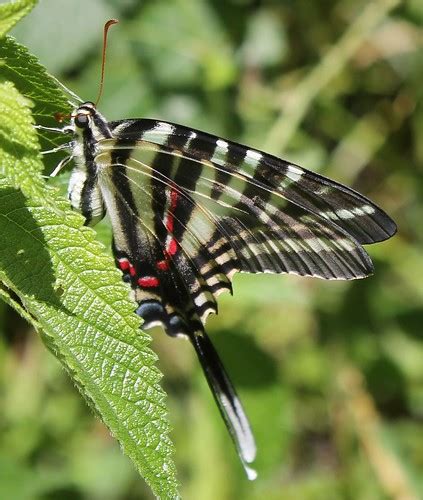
(60, 166)
(227, 400)
(62, 147)
(60, 130)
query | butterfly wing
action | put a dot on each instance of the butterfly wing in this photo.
(228, 208)
(166, 283)
(189, 210)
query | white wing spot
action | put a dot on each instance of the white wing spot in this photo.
(164, 127)
(367, 209)
(159, 133)
(254, 155)
(121, 127)
(219, 155)
(200, 300)
(223, 145)
(357, 211)
(347, 214)
(294, 173)
(223, 259)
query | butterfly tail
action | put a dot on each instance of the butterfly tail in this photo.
(227, 400)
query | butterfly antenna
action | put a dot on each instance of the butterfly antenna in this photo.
(60, 117)
(107, 26)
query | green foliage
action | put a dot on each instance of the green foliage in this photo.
(32, 81)
(11, 13)
(82, 310)
(330, 373)
(56, 275)
(19, 141)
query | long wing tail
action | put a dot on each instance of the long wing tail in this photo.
(227, 400)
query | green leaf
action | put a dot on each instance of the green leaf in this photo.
(18, 141)
(70, 288)
(12, 12)
(64, 280)
(10, 301)
(33, 81)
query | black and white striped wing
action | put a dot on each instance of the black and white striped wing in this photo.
(206, 208)
(189, 210)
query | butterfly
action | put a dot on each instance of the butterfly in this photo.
(188, 210)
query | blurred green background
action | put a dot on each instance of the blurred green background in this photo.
(331, 373)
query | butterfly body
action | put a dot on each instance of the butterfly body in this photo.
(189, 209)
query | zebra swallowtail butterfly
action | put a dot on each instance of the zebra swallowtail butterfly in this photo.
(189, 210)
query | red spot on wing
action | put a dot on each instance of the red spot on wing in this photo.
(170, 220)
(172, 247)
(169, 223)
(148, 282)
(125, 265)
(162, 265)
(173, 199)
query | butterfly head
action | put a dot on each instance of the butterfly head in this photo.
(89, 124)
(82, 117)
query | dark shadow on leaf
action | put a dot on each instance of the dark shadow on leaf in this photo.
(12, 147)
(23, 255)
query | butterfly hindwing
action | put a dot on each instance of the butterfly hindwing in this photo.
(167, 284)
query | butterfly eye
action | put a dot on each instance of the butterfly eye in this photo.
(81, 120)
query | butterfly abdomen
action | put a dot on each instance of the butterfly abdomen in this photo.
(85, 196)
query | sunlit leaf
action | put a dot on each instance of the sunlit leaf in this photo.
(71, 289)
(12, 12)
